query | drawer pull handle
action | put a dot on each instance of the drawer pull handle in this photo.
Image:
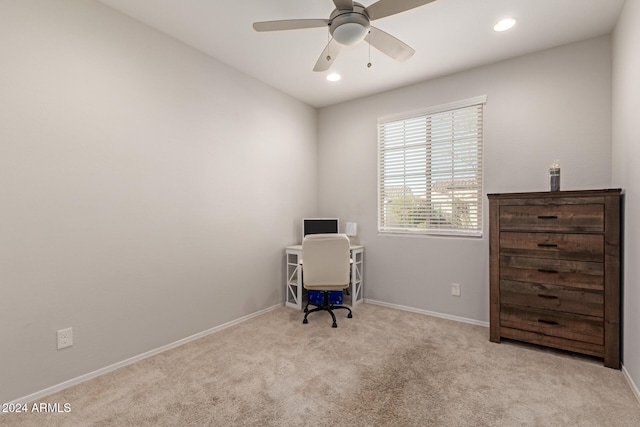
(547, 296)
(547, 245)
(548, 322)
(547, 216)
(542, 270)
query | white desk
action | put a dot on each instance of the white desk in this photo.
(294, 277)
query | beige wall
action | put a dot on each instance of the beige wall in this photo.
(554, 104)
(626, 171)
(147, 190)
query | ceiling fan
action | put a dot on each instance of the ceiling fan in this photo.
(349, 23)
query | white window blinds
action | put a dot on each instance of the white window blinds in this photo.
(430, 171)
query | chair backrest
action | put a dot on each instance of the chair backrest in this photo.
(325, 259)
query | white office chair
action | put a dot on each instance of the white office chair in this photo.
(325, 267)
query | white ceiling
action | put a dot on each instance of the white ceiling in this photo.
(448, 36)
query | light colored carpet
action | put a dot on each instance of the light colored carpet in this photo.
(384, 367)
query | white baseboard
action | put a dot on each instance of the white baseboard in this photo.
(634, 387)
(429, 313)
(58, 387)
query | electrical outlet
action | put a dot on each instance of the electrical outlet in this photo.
(65, 338)
(455, 289)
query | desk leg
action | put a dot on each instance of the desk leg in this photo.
(293, 286)
(357, 297)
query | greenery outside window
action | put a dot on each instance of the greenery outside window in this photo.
(430, 170)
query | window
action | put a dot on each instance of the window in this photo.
(430, 171)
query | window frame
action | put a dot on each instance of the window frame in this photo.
(427, 113)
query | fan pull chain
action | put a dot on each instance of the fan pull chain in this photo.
(369, 43)
(328, 45)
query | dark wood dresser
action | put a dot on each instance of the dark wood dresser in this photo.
(555, 270)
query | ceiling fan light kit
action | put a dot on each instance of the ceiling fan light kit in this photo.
(349, 27)
(349, 24)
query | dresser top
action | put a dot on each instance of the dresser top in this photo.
(573, 193)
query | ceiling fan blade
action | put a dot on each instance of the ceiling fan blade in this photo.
(331, 51)
(389, 45)
(384, 8)
(290, 24)
(343, 4)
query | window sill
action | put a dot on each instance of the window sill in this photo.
(448, 233)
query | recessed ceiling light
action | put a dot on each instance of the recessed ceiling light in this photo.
(505, 24)
(334, 77)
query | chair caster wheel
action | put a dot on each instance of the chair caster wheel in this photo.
(305, 321)
(350, 316)
(335, 325)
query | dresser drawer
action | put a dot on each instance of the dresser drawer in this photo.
(597, 350)
(568, 218)
(552, 323)
(577, 274)
(552, 297)
(581, 247)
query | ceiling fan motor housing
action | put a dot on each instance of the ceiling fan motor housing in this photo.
(349, 27)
